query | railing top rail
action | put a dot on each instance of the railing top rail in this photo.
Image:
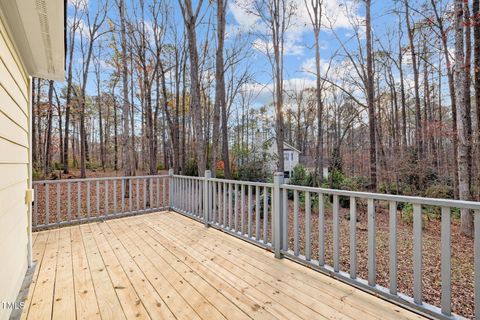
(188, 177)
(96, 179)
(247, 183)
(461, 204)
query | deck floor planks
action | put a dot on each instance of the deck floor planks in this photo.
(37, 257)
(154, 304)
(190, 268)
(42, 299)
(167, 293)
(262, 298)
(108, 303)
(122, 285)
(283, 294)
(298, 275)
(86, 305)
(193, 272)
(64, 299)
(204, 308)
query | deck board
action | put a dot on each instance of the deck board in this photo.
(167, 266)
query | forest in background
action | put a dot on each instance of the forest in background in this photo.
(164, 84)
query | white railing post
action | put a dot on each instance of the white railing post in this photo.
(170, 186)
(277, 215)
(206, 204)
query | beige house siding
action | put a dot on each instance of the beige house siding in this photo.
(14, 171)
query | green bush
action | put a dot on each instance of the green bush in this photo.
(300, 176)
(220, 173)
(191, 168)
(407, 214)
(35, 174)
(251, 171)
(91, 165)
(354, 183)
(337, 180)
(399, 188)
(56, 166)
(160, 166)
(439, 190)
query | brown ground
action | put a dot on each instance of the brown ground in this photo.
(462, 247)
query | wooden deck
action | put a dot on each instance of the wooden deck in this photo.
(166, 266)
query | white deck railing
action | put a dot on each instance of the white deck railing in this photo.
(259, 213)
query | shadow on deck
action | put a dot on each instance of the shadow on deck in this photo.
(167, 266)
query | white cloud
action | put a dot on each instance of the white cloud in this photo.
(335, 14)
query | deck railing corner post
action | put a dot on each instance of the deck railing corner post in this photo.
(206, 204)
(277, 216)
(170, 188)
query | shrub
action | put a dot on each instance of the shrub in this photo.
(439, 190)
(251, 171)
(407, 215)
(300, 176)
(220, 173)
(355, 183)
(160, 166)
(91, 165)
(35, 174)
(56, 165)
(399, 188)
(191, 168)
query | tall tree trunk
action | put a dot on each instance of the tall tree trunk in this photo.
(69, 94)
(466, 226)
(190, 19)
(278, 32)
(371, 99)
(34, 127)
(451, 88)
(127, 165)
(60, 125)
(318, 95)
(48, 138)
(115, 132)
(39, 127)
(418, 116)
(476, 44)
(100, 128)
(468, 85)
(220, 103)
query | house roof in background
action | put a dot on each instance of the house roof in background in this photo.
(290, 147)
(286, 146)
(37, 28)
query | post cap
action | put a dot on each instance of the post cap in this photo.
(208, 174)
(278, 177)
(170, 171)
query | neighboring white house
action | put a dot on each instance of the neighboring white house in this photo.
(291, 156)
(32, 34)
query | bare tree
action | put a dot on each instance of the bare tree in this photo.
(315, 14)
(220, 100)
(190, 18)
(276, 15)
(71, 47)
(466, 226)
(48, 136)
(413, 52)
(127, 164)
(93, 32)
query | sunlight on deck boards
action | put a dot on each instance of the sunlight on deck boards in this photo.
(166, 266)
